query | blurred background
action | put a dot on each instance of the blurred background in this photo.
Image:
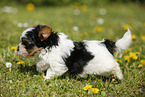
(80, 19)
(67, 2)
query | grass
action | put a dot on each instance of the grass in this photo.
(24, 80)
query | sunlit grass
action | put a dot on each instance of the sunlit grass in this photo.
(24, 80)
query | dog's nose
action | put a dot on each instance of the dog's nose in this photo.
(18, 48)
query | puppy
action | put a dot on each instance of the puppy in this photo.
(60, 55)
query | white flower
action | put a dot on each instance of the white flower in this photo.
(76, 12)
(20, 25)
(100, 21)
(25, 25)
(103, 11)
(8, 9)
(8, 64)
(76, 28)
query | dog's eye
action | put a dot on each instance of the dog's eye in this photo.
(25, 43)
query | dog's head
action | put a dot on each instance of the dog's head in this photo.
(32, 40)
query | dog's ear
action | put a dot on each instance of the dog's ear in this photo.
(39, 27)
(44, 33)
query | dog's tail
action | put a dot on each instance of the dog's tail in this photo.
(124, 42)
(119, 45)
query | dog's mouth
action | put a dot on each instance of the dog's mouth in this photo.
(34, 51)
(24, 52)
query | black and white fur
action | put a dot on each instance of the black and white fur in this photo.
(60, 54)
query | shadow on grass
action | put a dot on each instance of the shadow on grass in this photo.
(30, 69)
(91, 77)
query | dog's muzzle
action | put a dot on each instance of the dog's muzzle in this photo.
(21, 50)
(24, 52)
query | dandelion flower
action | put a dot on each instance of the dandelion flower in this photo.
(20, 63)
(140, 65)
(143, 37)
(84, 34)
(118, 60)
(14, 48)
(125, 27)
(127, 58)
(87, 87)
(136, 53)
(95, 90)
(133, 37)
(84, 8)
(30, 6)
(8, 64)
(143, 61)
(99, 29)
(129, 49)
(144, 24)
(133, 56)
(69, 20)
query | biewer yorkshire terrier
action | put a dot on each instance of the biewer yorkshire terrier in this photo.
(57, 54)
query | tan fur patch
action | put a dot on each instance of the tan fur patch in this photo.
(44, 33)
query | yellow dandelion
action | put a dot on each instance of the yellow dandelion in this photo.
(118, 60)
(95, 90)
(84, 34)
(129, 49)
(69, 20)
(144, 24)
(136, 53)
(99, 29)
(143, 37)
(30, 6)
(133, 37)
(84, 8)
(142, 61)
(87, 87)
(133, 56)
(127, 58)
(20, 63)
(14, 48)
(125, 27)
(140, 65)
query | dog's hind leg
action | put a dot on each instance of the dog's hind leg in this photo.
(117, 72)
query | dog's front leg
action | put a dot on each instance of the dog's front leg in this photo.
(55, 70)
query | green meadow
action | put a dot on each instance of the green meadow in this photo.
(79, 22)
